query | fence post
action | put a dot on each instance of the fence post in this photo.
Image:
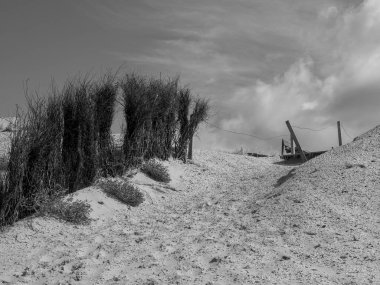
(339, 134)
(291, 144)
(303, 156)
(282, 147)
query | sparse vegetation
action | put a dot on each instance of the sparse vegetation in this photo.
(76, 212)
(239, 151)
(64, 141)
(156, 171)
(122, 190)
(53, 147)
(350, 165)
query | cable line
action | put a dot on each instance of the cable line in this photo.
(346, 132)
(244, 134)
(314, 130)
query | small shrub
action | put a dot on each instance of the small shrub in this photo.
(122, 190)
(76, 212)
(156, 171)
(350, 165)
(51, 202)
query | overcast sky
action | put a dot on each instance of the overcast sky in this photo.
(260, 62)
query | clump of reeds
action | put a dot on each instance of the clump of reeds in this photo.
(78, 145)
(57, 144)
(104, 96)
(34, 159)
(137, 113)
(184, 101)
(64, 141)
(158, 119)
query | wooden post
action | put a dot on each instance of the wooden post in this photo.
(303, 156)
(190, 153)
(282, 147)
(291, 144)
(339, 134)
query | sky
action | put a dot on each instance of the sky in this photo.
(259, 62)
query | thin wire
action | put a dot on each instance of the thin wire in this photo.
(244, 134)
(346, 132)
(314, 130)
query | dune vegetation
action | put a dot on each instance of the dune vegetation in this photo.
(63, 141)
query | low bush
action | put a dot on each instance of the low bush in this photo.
(122, 190)
(76, 212)
(156, 171)
(51, 202)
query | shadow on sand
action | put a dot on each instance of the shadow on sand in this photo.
(289, 162)
(284, 178)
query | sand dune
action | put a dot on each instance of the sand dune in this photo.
(224, 219)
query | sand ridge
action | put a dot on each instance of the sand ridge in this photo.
(224, 219)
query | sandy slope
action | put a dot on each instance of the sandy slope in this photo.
(225, 219)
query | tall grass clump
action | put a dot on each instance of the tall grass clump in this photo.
(184, 101)
(158, 120)
(78, 145)
(43, 130)
(34, 161)
(139, 99)
(199, 114)
(62, 142)
(163, 117)
(104, 97)
(188, 124)
(59, 143)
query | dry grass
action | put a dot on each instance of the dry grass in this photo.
(76, 212)
(64, 140)
(156, 171)
(156, 114)
(122, 190)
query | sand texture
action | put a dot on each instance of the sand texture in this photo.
(224, 219)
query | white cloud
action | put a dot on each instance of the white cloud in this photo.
(309, 105)
(329, 13)
(338, 80)
(263, 62)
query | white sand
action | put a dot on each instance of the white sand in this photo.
(224, 219)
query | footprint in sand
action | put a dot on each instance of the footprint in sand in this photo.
(45, 259)
(92, 248)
